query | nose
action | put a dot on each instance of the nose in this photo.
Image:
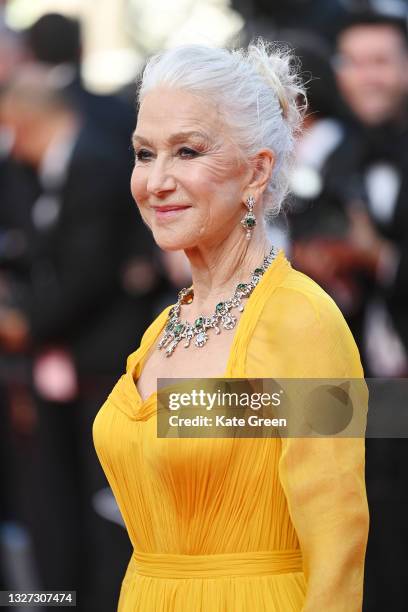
(160, 178)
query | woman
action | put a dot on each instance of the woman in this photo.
(249, 524)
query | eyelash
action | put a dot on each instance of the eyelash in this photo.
(138, 153)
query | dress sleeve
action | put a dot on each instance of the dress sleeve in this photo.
(324, 478)
(302, 334)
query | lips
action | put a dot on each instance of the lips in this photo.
(168, 212)
(170, 207)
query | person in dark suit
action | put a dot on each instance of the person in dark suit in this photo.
(93, 285)
(56, 40)
(372, 68)
(14, 366)
(366, 172)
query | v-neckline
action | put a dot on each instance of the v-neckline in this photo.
(231, 362)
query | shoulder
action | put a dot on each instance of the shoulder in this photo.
(304, 327)
(148, 337)
(297, 301)
(298, 298)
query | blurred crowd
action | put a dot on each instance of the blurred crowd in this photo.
(80, 276)
(80, 280)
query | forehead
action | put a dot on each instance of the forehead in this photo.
(165, 110)
(371, 38)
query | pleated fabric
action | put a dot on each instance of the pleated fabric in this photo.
(243, 524)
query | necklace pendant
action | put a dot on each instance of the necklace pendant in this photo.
(169, 338)
(228, 321)
(170, 349)
(188, 335)
(160, 345)
(166, 340)
(239, 305)
(201, 339)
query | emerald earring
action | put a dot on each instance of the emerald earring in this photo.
(249, 221)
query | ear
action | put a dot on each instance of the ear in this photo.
(262, 165)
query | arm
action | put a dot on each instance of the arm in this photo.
(302, 334)
(324, 478)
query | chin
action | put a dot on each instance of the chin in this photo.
(172, 243)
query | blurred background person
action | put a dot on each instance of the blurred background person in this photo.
(14, 366)
(372, 71)
(56, 40)
(91, 289)
(364, 268)
(323, 131)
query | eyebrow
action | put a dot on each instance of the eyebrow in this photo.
(179, 137)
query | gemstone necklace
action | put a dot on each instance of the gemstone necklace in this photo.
(176, 331)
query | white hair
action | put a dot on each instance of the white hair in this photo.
(257, 90)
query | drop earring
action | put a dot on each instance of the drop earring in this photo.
(249, 221)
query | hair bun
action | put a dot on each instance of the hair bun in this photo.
(279, 67)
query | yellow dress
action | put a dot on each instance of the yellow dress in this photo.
(243, 524)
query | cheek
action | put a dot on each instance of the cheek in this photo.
(199, 182)
(347, 81)
(136, 185)
(216, 177)
(138, 190)
(396, 81)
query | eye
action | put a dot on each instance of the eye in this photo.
(188, 152)
(142, 155)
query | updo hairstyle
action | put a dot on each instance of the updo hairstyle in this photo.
(257, 90)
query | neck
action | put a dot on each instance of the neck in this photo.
(216, 271)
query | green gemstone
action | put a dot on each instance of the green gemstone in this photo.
(250, 221)
(179, 328)
(242, 286)
(258, 271)
(199, 322)
(219, 307)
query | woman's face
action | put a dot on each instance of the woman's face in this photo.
(188, 181)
